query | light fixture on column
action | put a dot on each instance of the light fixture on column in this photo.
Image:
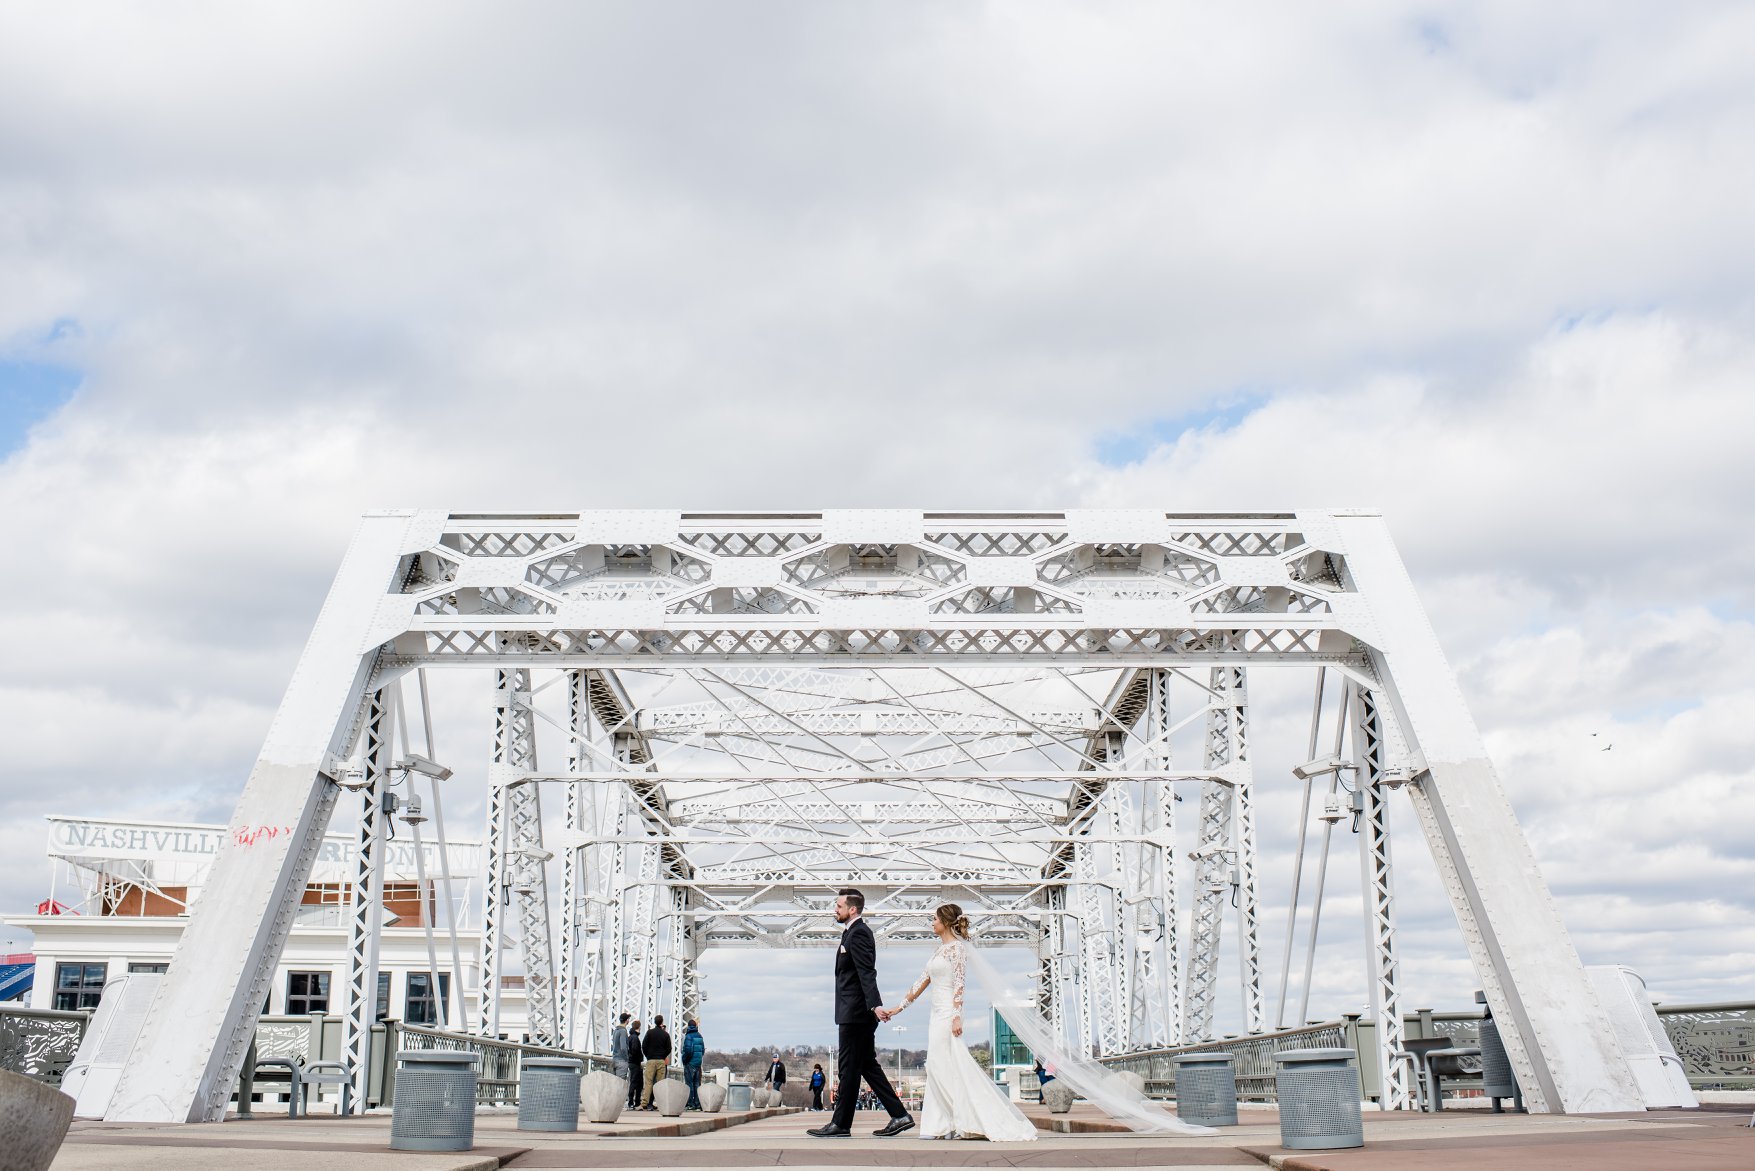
(415, 762)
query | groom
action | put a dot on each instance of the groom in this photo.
(857, 1003)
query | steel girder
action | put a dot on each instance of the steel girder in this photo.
(805, 597)
(574, 985)
(1218, 861)
(1102, 974)
(515, 853)
(1054, 959)
(1377, 881)
(1155, 984)
(366, 899)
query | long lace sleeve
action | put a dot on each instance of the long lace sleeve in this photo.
(914, 992)
(919, 987)
(957, 971)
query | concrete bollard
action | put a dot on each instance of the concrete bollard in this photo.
(712, 1097)
(1058, 1096)
(603, 1096)
(670, 1097)
(33, 1120)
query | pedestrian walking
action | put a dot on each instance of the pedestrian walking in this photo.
(694, 1052)
(636, 1064)
(656, 1046)
(818, 1080)
(776, 1077)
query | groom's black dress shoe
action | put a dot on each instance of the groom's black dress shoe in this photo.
(896, 1126)
(830, 1131)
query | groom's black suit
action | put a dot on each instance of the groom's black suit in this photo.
(856, 1002)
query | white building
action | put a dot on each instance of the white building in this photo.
(121, 892)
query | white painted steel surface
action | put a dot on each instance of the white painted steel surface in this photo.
(931, 705)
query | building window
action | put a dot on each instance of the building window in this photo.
(383, 1006)
(306, 993)
(78, 986)
(419, 1007)
(148, 968)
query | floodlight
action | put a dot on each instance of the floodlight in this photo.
(531, 852)
(415, 762)
(1321, 766)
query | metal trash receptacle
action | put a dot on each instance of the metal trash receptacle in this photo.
(1206, 1089)
(737, 1096)
(1319, 1096)
(435, 1101)
(548, 1093)
(1497, 1080)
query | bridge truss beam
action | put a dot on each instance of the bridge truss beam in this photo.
(824, 669)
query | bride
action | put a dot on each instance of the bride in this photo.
(961, 1100)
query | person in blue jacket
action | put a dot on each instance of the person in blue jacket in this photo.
(694, 1052)
(817, 1082)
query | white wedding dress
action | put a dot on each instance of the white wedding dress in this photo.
(961, 1100)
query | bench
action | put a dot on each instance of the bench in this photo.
(299, 1077)
(1435, 1058)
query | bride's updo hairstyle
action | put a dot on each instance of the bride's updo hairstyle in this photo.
(952, 917)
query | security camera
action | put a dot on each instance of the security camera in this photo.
(350, 777)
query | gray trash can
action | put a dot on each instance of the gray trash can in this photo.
(737, 1096)
(1497, 1080)
(548, 1093)
(1206, 1089)
(1319, 1100)
(435, 1101)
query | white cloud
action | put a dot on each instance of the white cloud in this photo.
(1483, 265)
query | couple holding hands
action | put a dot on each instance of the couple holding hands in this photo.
(961, 1101)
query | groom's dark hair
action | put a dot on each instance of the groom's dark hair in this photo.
(853, 897)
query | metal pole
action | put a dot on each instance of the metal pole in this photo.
(454, 1001)
(1298, 859)
(1328, 831)
(420, 867)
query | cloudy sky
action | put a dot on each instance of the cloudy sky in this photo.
(1484, 266)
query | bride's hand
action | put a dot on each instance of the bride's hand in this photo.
(956, 1026)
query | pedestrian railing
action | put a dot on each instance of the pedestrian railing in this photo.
(40, 1042)
(497, 1062)
(1252, 1058)
(1715, 1041)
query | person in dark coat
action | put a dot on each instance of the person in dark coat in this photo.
(857, 1004)
(656, 1045)
(776, 1078)
(636, 1064)
(694, 1052)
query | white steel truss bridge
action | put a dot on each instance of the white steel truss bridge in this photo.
(756, 709)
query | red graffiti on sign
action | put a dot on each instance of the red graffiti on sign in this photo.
(249, 835)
